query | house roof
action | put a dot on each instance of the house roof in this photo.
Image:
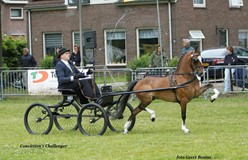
(139, 2)
(15, 1)
(45, 5)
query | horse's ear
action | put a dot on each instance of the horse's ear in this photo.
(196, 49)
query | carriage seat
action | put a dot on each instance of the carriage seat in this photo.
(68, 95)
(106, 99)
(67, 91)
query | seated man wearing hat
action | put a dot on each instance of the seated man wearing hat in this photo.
(68, 78)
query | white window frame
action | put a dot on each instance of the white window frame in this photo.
(246, 32)
(106, 47)
(82, 50)
(197, 40)
(197, 36)
(44, 41)
(137, 38)
(73, 39)
(199, 5)
(236, 3)
(16, 8)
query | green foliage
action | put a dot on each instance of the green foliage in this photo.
(173, 62)
(144, 61)
(46, 63)
(141, 62)
(12, 49)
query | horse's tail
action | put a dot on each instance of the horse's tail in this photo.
(124, 98)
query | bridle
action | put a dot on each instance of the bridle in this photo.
(194, 59)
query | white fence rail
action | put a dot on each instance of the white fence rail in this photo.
(216, 76)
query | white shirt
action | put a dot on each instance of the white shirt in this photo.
(68, 65)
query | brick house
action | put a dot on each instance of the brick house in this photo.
(14, 21)
(126, 29)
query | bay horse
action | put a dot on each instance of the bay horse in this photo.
(181, 87)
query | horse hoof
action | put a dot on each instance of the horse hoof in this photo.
(212, 100)
(125, 132)
(186, 131)
(153, 119)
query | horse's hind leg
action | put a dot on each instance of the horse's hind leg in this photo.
(152, 112)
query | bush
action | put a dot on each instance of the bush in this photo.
(46, 63)
(144, 61)
(12, 50)
(141, 62)
(173, 62)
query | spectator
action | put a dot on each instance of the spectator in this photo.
(186, 46)
(155, 59)
(55, 57)
(75, 56)
(27, 60)
(230, 59)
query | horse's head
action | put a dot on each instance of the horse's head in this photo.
(196, 63)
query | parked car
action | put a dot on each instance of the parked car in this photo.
(215, 58)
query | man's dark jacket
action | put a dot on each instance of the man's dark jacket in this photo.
(64, 74)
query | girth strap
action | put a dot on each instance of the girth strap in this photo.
(172, 84)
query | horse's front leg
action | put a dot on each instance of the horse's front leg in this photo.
(183, 113)
(205, 87)
(215, 96)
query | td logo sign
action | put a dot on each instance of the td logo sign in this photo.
(39, 76)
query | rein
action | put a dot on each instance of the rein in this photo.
(190, 81)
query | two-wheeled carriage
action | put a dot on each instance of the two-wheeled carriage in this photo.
(92, 118)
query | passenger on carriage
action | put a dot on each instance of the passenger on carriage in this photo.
(69, 77)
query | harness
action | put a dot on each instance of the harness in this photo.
(173, 83)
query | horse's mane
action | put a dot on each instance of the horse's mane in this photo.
(180, 60)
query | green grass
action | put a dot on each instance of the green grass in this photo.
(218, 130)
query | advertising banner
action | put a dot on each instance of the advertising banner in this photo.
(42, 82)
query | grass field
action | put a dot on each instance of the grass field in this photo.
(219, 130)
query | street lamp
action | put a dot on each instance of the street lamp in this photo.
(80, 33)
(159, 32)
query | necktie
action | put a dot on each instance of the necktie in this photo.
(68, 65)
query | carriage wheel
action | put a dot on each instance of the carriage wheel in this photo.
(66, 117)
(92, 120)
(117, 123)
(38, 119)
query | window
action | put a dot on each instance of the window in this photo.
(115, 47)
(223, 37)
(75, 2)
(51, 41)
(147, 41)
(16, 13)
(196, 37)
(88, 53)
(243, 36)
(199, 3)
(235, 3)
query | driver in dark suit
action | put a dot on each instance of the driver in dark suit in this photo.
(68, 78)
